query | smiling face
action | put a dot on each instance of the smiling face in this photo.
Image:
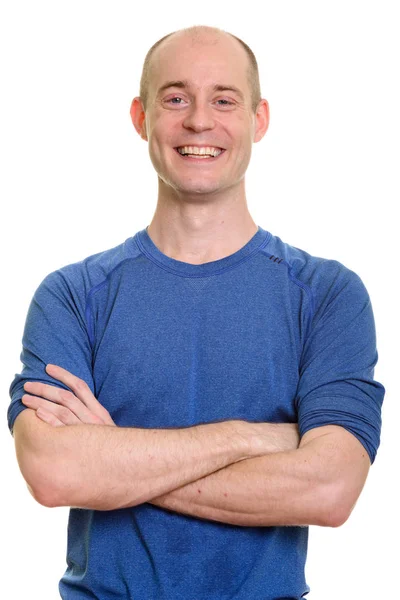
(199, 120)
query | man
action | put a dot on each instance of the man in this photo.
(229, 375)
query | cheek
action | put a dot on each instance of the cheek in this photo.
(161, 152)
(243, 142)
(160, 139)
(156, 147)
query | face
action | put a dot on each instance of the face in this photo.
(199, 121)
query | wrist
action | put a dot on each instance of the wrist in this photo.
(268, 438)
(283, 436)
(248, 438)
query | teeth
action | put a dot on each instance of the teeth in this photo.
(195, 150)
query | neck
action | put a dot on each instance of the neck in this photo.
(203, 228)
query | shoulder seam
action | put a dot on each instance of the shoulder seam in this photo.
(92, 291)
(299, 283)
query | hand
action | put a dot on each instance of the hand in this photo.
(65, 408)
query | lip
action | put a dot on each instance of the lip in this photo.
(200, 160)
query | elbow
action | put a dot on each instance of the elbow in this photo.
(54, 491)
(51, 491)
(334, 508)
(40, 480)
(337, 518)
(45, 497)
(37, 459)
(51, 487)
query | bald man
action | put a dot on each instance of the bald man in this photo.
(201, 393)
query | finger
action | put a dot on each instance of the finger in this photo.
(64, 398)
(80, 388)
(76, 385)
(43, 390)
(61, 412)
(49, 418)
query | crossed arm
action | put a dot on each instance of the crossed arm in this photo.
(249, 474)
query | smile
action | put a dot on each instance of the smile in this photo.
(199, 153)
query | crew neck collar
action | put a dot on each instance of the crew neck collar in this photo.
(147, 247)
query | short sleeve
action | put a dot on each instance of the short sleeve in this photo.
(336, 384)
(55, 332)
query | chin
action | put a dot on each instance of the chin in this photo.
(194, 187)
(200, 190)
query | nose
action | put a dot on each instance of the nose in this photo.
(199, 117)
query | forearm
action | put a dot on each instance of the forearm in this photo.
(285, 488)
(240, 494)
(106, 468)
(233, 495)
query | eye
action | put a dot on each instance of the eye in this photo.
(175, 100)
(225, 102)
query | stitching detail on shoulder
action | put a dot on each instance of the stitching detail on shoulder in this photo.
(92, 291)
(275, 258)
(305, 287)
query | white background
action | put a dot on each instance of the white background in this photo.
(77, 179)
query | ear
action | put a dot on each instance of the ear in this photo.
(138, 117)
(262, 120)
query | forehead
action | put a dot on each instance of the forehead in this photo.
(201, 62)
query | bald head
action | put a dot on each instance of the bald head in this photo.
(199, 35)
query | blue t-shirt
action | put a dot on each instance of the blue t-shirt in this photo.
(268, 333)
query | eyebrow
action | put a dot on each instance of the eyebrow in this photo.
(216, 88)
